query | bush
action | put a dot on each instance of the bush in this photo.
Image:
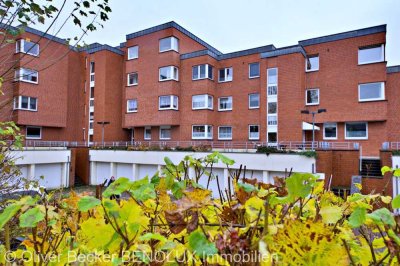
(171, 217)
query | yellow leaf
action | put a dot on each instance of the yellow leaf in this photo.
(331, 214)
(386, 199)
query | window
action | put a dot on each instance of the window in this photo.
(272, 120)
(272, 137)
(202, 72)
(27, 75)
(168, 44)
(132, 106)
(165, 132)
(254, 100)
(25, 103)
(203, 101)
(330, 131)
(225, 74)
(33, 132)
(272, 74)
(202, 132)
(272, 108)
(356, 130)
(133, 52)
(272, 90)
(371, 54)
(169, 73)
(168, 102)
(92, 92)
(92, 67)
(225, 103)
(371, 91)
(254, 132)
(27, 47)
(254, 70)
(312, 63)
(132, 79)
(224, 133)
(147, 133)
(312, 97)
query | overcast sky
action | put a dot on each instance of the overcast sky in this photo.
(232, 25)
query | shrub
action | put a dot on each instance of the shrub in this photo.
(171, 217)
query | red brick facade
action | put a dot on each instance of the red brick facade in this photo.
(64, 89)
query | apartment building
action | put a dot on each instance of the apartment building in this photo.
(166, 84)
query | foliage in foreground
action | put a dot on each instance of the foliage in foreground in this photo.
(170, 219)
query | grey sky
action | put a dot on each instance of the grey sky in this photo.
(232, 25)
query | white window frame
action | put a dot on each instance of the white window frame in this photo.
(345, 130)
(165, 127)
(254, 107)
(20, 47)
(145, 136)
(252, 138)
(137, 79)
(331, 125)
(171, 102)
(208, 67)
(137, 52)
(127, 106)
(18, 103)
(381, 59)
(268, 79)
(311, 69)
(205, 132)
(224, 138)
(372, 99)
(20, 77)
(206, 100)
(26, 132)
(225, 71)
(172, 69)
(219, 103)
(172, 44)
(259, 70)
(314, 89)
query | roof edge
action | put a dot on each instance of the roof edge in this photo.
(285, 51)
(393, 69)
(344, 35)
(172, 24)
(97, 47)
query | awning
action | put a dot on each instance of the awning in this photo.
(308, 126)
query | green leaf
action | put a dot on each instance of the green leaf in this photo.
(150, 236)
(31, 218)
(144, 193)
(386, 169)
(178, 188)
(199, 244)
(117, 187)
(223, 158)
(247, 187)
(8, 213)
(396, 172)
(300, 185)
(358, 217)
(331, 214)
(382, 215)
(396, 202)
(86, 203)
(142, 190)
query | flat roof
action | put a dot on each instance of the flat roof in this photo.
(344, 35)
